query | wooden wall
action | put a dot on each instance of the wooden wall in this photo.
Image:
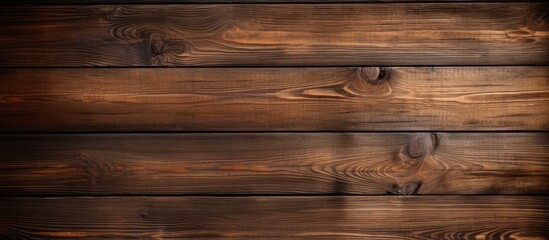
(373, 119)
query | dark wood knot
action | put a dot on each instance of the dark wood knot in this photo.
(144, 215)
(422, 145)
(375, 75)
(163, 49)
(409, 188)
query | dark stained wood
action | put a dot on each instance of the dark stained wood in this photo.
(432, 217)
(361, 99)
(275, 35)
(43, 2)
(277, 99)
(286, 1)
(266, 163)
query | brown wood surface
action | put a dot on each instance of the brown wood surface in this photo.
(46, 2)
(432, 217)
(287, 1)
(267, 163)
(289, 119)
(274, 99)
(275, 34)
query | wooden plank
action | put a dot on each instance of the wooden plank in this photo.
(288, 1)
(263, 163)
(45, 2)
(275, 34)
(258, 99)
(432, 217)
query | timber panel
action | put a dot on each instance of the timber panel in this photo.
(275, 34)
(434, 217)
(274, 99)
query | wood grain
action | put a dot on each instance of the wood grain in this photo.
(264, 163)
(287, 1)
(274, 99)
(44, 2)
(433, 217)
(275, 34)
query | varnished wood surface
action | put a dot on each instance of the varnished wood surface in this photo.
(275, 34)
(307, 120)
(433, 217)
(46, 2)
(266, 163)
(274, 99)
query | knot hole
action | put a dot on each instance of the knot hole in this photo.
(375, 75)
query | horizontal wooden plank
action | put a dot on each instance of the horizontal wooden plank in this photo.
(275, 34)
(258, 99)
(46, 2)
(264, 163)
(287, 1)
(433, 217)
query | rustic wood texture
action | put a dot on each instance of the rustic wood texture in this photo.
(275, 35)
(287, 1)
(45, 2)
(266, 163)
(289, 120)
(258, 99)
(433, 217)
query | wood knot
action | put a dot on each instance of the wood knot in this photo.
(163, 50)
(409, 188)
(144, 215)
(421, 145)
(113, 12)
(375, 75)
